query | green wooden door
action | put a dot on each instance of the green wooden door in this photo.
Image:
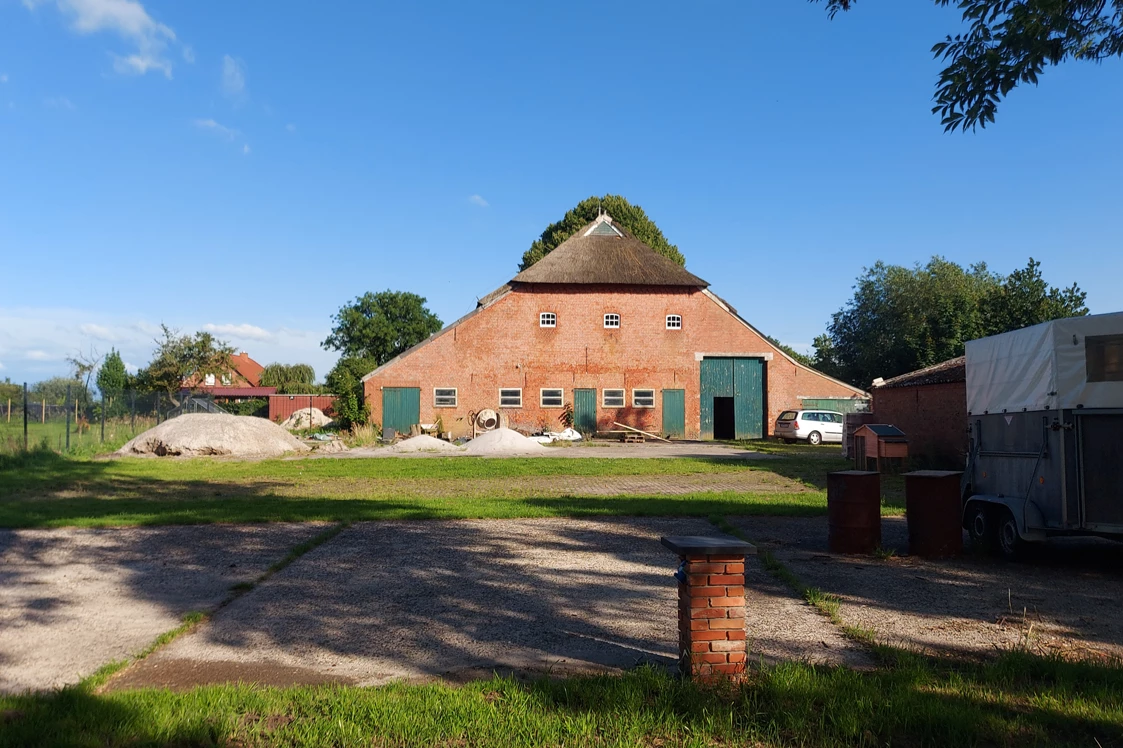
(585, 411)
(674, 413)
(741, 379)
(748, 393)
(401, 408)
(716, 381)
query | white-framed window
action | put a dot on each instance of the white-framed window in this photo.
(612, 321)
(613, 398)
(444, 397)
(547, 319)
(226, 380)
(208, 380)
(511, 397)
(643, 398)
(551, 397)
(674, 321)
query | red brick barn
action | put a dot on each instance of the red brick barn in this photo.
(930, 406)
(609, 326)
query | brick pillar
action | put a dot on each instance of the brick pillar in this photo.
(711, 606)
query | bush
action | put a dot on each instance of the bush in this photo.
(255, 406)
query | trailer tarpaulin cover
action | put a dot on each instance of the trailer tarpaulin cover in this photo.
(1048, 366)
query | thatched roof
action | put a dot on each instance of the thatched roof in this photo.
(598, 254)
(946, 372)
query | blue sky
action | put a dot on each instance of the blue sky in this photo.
(249, 167)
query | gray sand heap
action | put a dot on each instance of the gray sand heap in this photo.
(307, 418)
(214, 434)
(502, 442)
(421, 443)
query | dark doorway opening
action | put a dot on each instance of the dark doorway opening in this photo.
(725, 424)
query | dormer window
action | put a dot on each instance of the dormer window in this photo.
(547, 319)
(208, 380)
(612, 321)
(674, 321)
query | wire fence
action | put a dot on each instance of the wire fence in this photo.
(83, 424)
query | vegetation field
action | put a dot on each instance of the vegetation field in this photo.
(41, 488)
(85, 440)
(1016, 700)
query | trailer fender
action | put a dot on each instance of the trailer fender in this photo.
(1026, 514)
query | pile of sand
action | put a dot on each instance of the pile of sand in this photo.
(422, 443)
(307, 418)
(214, 434)
(502, 442)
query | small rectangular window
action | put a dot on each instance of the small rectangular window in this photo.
(551, 397)
(1103, 358)
(444, 397)
(226, 380)
(643, 398)
(208, 380)
(674, 321)
(612, 321)
(614, 398)
(547, 319)
(511, 397)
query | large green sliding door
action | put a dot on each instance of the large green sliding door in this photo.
(731, 393)
(401, 408)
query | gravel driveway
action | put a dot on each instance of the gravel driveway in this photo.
(72, 600)
(461, 599)
(1064, 598)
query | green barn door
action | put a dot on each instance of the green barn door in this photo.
(748, 393)
(401, 408)
(674, 413)
(585, 411)
(715, 387)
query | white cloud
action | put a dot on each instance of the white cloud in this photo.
(1, 364)
(101, 332)
(245, 150)
(233, 77)
(242, 331)
(37, 355)
(188, 54)
(129, 20)
(3, 77)
(59, 102)
(211, 126)
(290, 127)
(131, 368)
(478, 200)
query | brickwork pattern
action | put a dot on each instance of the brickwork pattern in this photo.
(933, 417)
(503, 346)
(711, 609)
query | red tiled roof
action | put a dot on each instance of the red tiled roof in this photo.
(249, 369)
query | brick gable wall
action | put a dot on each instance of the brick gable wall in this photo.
(502, 345)
(933, 417)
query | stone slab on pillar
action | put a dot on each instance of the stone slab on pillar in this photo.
(711, 605)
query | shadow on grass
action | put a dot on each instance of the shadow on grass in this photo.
(1017, 700)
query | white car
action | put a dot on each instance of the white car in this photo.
(815, 426)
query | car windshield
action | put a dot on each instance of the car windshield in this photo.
(788, 415)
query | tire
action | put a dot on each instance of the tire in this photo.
(815, 438)
(1010, 543)
(981, 527)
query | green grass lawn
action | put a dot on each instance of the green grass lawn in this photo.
(1016, 700)
(44, 489)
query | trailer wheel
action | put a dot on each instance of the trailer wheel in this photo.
(1009, 541)
(981, 527)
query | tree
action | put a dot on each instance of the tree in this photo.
(379, 326)
(112, 379)
(289, 379)
(801, 358)
(53, 391)
(901, 319)
(1010, 42)
(1025, 299)
(179, 357)
(624, 213)
(345, 381)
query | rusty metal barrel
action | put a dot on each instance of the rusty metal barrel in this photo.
(934, 508)
(854, 511)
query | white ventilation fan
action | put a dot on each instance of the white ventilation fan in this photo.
(487, 420)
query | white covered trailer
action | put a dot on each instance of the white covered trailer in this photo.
(1045, 412)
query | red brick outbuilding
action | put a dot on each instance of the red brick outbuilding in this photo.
(930, 406)
(612, 329)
